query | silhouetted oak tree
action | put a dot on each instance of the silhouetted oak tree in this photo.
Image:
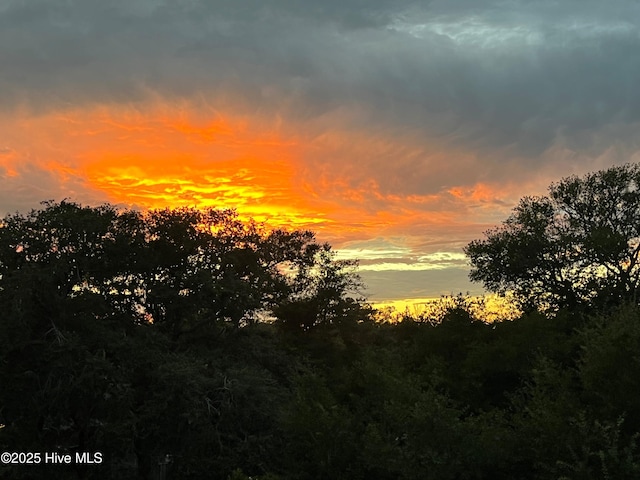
(577, 246)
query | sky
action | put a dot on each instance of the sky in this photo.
(397, 130)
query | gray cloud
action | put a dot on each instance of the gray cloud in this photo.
(33, 185)
(390, 285)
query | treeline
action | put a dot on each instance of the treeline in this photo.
(188, 344)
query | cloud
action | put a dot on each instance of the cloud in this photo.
(401, 284)
(480, 74)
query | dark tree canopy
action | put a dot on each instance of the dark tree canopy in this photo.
(577, 246)
(179, 269)
(117, 335)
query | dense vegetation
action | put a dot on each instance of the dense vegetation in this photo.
(188, 344)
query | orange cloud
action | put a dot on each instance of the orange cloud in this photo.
(346, 184)
(165, 156)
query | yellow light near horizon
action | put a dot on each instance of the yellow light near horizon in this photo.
(489, 308)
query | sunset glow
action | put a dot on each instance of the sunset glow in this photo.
(166, 155)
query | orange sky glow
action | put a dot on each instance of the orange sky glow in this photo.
(168, 155)
(176, 156)
(287, 175)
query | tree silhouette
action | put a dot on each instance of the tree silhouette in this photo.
(176, 268)
(577, 246)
